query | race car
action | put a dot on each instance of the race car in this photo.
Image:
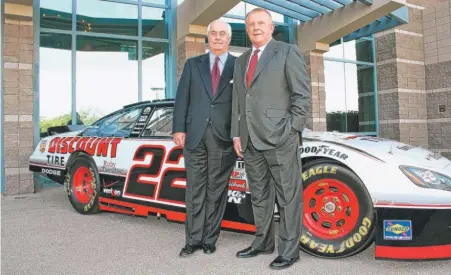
(357, 189)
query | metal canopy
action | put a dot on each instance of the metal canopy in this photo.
(306, 10)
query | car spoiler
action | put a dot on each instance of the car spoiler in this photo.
(51, 131)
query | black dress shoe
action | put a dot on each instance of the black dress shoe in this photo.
(189, 249)
(250, 252)
(281, 262)
(209, 248)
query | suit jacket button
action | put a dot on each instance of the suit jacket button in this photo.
(248, 95)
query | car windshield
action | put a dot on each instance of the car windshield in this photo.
(119, 124)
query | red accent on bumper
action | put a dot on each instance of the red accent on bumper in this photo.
(414, 253)
(142, 210)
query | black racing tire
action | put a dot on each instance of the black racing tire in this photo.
(82, 184)
(338, 216)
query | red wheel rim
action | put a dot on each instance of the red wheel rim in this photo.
(331, 209)
(82, 184)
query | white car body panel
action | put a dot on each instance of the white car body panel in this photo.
(386, 183)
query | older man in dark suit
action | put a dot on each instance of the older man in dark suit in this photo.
(271, 97)
(202, 125)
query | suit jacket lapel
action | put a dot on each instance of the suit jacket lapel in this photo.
(225, 75)
(266, 56)
(205, 73)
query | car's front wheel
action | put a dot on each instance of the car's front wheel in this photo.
(83, 185)
(338, 216)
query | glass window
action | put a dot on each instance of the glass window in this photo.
(281, 33)
(54, 80)
(335, 96)
(153, 24)
(107, 17)
(335, 50)
(238, 10)
(153, 70)
(349, 97)
(366, 97)
(359, 50)
(106, 76)
(160, 123)
(56, 14)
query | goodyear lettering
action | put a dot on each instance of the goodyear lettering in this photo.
(349, 243)
(67, 184)
(94, 146)
(324, 150)
(94, 195)
(318, 171)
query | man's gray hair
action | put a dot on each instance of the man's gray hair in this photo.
(229, 28)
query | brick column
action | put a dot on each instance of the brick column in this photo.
(315, 70)
(401, 81)
(18, 105)
(188, 47)
(437, 48)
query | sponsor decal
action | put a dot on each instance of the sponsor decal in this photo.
(146, 111)
(110, 168)
(112, 192)
(235, 196)
(239, 165)
(326, 169)
(330, 248)
(56, 160)
(51, 172)
(94, 146)
(238, 185)
(240, 175)
(323, 150)
(42, 146)
(398, 230)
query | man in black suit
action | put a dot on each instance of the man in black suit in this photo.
(201, 125)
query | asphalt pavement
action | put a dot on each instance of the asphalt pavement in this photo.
(42, 234)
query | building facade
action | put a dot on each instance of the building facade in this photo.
(73, 61)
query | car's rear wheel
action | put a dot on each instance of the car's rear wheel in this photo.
(83, 185)
(338, 216)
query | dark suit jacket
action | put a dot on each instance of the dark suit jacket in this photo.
(195, 105)
(278, 100)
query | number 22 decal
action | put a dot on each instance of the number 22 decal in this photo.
(161, 180)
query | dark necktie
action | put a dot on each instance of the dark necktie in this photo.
(251, 69)
(215, 74)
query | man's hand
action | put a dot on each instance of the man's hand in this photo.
(237, 146)
(179, 139)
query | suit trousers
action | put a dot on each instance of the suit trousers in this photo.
(276, 173)
(208, 169)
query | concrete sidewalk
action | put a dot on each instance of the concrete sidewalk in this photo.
(42, 234)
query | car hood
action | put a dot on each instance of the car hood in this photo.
(385, 149)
